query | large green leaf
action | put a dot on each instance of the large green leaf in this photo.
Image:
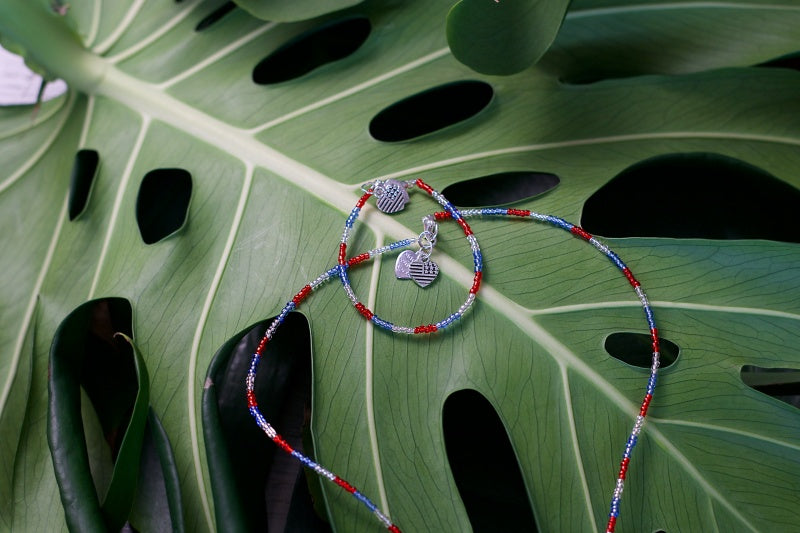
(276, 168)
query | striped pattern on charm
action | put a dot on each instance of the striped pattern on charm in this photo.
(423, 272)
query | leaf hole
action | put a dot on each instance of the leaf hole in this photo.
(781, 383)
(431, 110)
(490, 484)
(789, 61)
(636, 349)
(694, 195)
(313, 49)
(269, 490)
(163, 203)
(500, 188)
(84, 171)
(215, 16)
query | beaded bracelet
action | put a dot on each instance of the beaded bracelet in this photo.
(391, 200)
(453, 213)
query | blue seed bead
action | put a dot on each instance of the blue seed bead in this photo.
(477, 258)
(616, 260)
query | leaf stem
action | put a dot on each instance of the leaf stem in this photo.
(49, 42)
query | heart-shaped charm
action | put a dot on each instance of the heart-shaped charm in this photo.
(423, 272)
(393, 197)
(404, 260)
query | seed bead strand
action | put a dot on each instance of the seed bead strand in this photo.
(451, 212)
(633, 437)
(252, 403)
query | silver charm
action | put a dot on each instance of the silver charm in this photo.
(402, 264)
(392, 196)
(423, 272)
(418, 265)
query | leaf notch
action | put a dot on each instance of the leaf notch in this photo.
(313, 49)
(694, 195)
(485, 469)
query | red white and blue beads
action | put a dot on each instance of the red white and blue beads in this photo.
(252, 402)
(648, 311)
(340, 271)
(368, 314)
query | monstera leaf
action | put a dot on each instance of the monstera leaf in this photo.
(259, 136)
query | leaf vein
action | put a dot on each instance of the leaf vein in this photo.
(198, 334)
(37, 155)
(171, 23)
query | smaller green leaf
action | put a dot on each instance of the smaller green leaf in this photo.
(157, 505)
(86, 353)
(119, 498)
(503, 37)
(288, 11)
(255, 485)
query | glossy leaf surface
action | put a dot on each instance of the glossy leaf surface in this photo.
(275, 171)
(284, 11)
(503, 37)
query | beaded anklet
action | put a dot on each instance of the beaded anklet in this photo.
(390, 204)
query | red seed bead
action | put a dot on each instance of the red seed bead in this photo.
(282, 444)
(580, 232)
(251, 399)
(342, 253)
(364, 311)
(441, 215)
(344, 484)
(628, 274)
(424, 186)
(476, 282)
(300, 296)
(612, 523)
(623, 468)
(645, 405)
(465, 226)
(394, 529)
(357, 259)
(262, 345)
(363, 200)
